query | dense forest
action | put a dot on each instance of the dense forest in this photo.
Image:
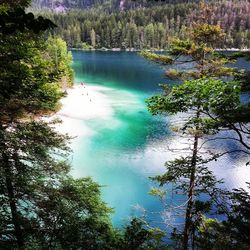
(152, 27)
(106, 4)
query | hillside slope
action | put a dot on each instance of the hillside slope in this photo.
(111, 4)
(120, 24)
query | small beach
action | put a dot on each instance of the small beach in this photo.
(82, 103)
(85, 102)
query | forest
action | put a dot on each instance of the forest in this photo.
(106, 4)
(41, 205)
(150, 27)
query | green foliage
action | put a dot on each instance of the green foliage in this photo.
(240, 54)
(138, 236)
(207, 104)
(232, 233)
(178, 172)
(206, 33)
(16, 3)
(211, 235)
(84, 46)
(158, 192)
(27, 165)
(13, 20)
(27, 85)
(162, 59)
(74, 216)
(245, 81)
(61, 59)
(197, 50)
(239, 216)
(180, 47)
(210, 95)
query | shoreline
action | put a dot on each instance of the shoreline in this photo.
(154, 50)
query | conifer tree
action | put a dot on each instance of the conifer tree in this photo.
(200, 99)
(211, 104)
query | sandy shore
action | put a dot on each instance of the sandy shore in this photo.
(85, 102)
(81, 104)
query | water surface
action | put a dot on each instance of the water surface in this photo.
(127, 146)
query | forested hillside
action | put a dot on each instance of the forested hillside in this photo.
(151, 27)
(111, 4)
(67, 3)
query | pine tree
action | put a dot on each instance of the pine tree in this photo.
(200, 99)
(211, 111)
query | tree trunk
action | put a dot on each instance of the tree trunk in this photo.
(11, 197)
(188, 216)
(13, 208)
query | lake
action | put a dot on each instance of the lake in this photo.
(127, 145)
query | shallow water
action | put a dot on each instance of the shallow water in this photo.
(127, 144)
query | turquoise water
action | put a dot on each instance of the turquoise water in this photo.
(127, 147)
(127, 144)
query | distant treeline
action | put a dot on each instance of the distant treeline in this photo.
(150, 27)
(106, 4)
